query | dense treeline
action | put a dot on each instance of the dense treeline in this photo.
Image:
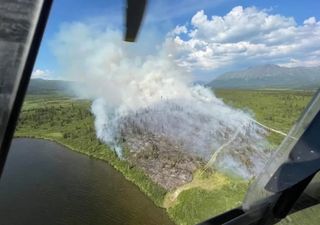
(63, 118)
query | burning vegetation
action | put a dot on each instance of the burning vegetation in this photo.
(147, 109)
(171, 140)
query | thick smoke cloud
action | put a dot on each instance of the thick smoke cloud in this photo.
(149, 94)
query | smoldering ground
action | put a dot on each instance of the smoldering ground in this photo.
(143, 100)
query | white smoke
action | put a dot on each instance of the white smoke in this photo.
(135, 93)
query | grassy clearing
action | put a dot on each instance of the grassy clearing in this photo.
(207, 197)
(208, 181)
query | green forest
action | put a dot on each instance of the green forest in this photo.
(68, 121)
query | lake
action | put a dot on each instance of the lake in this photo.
(44, 183)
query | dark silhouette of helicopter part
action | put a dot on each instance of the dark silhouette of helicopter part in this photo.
(22, 23)
(294, 184)
(134, 15)
(304, 160)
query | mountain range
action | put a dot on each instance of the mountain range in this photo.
(270, 76)
(258, 77)
(47, 87)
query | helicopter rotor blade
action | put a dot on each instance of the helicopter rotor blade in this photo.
(134, 15)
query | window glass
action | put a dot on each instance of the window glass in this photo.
(307, 215)
(182, 121)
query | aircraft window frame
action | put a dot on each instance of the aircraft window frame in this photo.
(257, 202)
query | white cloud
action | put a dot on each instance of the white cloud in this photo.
(242, 37)
(295, 62)
(41, 74)
(179, 30)
(310, 21)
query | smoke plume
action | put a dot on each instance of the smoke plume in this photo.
(147, 98)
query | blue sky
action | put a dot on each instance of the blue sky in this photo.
(162, 17)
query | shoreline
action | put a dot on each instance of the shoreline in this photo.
(110, 163)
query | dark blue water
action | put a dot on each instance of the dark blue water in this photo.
(43, 183)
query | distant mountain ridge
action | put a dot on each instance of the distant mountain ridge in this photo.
(270, 76)
(47, 87)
